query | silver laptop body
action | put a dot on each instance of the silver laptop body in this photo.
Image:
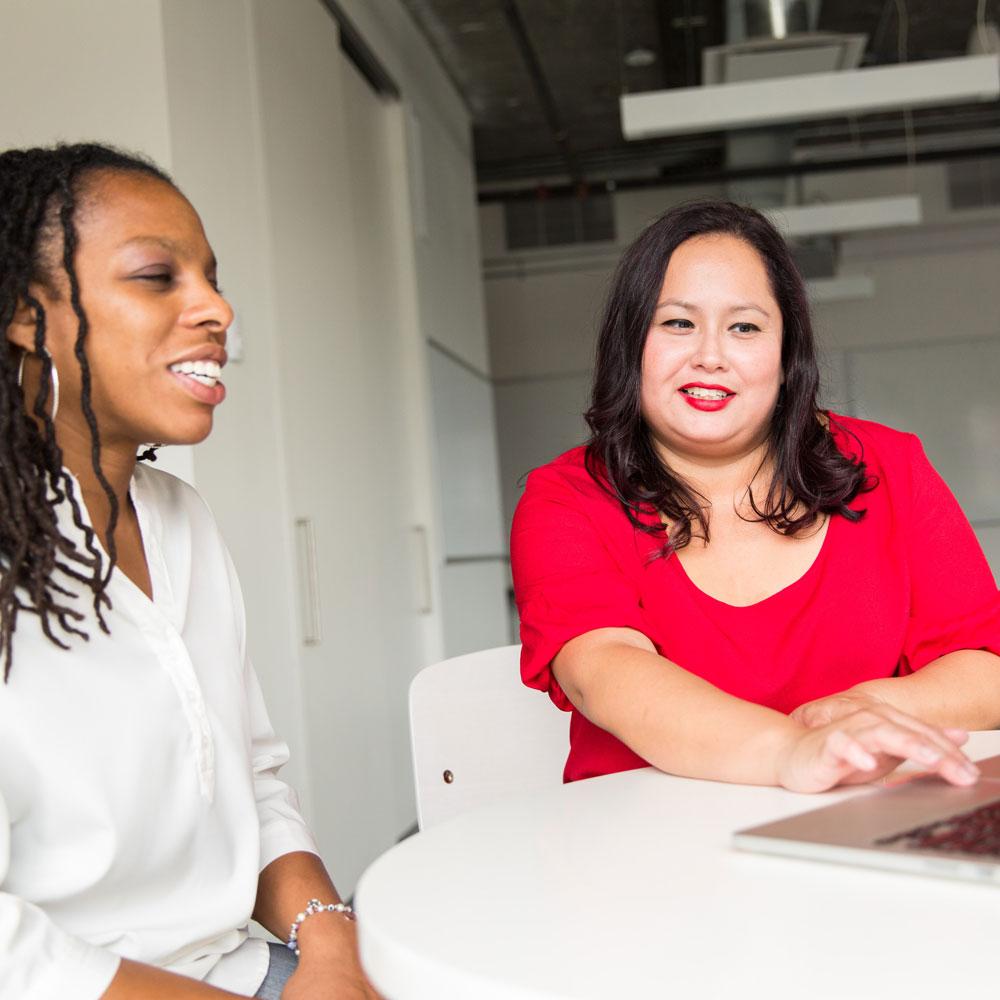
(899, 827)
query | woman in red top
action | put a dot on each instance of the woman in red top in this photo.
(727, 582)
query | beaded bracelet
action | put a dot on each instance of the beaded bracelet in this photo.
(315, 906)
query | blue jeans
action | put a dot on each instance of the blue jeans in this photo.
(282, 964)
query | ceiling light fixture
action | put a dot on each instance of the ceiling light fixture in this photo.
(639, 58)
(832, 218)
(929, 83)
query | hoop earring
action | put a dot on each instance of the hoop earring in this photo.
(55, 379)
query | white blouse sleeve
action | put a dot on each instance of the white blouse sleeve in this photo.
(38, 961)
(282, 828)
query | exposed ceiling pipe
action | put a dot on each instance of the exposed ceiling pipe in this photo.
(725, 175)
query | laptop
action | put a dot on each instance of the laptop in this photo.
(921, 825)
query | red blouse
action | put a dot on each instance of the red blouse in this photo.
(888, 594)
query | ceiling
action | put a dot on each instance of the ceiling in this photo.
(542, 79)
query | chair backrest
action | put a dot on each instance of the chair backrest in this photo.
(478, 734)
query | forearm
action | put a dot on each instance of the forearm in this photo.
(285, 887)
(960, 689)
(677, 721)
(135, 981)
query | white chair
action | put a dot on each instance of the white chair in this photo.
(478, 734)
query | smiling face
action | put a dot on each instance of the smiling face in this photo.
(157, 322)
(711, 364)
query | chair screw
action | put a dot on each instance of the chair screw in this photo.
(448, 777)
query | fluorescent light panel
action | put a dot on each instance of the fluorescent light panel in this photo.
(847, 216)
(931, 83)
(840, 289)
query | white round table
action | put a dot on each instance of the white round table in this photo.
(627, 887)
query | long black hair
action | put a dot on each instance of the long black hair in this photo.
(810, 475)
(40, 190)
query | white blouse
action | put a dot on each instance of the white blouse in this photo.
(138, 790)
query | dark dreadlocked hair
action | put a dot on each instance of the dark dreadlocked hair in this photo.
(811, 476)
(39, 193)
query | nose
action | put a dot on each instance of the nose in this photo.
(709, 353)
(210, 309)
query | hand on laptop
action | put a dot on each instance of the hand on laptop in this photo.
(864, 740)
(822, 711)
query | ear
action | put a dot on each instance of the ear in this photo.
(21, 332)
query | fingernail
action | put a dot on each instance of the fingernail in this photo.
(928, 755)
(971, 769)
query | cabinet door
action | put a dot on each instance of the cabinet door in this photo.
(352, 410)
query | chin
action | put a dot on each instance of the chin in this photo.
(193, 434)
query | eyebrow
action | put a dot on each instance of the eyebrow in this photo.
(745, 306)
(690, 307)
(171, 246)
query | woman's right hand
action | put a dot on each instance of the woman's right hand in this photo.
(867, 744)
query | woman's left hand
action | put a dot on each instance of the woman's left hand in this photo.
(823, 711)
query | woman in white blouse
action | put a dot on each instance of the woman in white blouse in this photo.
(141, 819)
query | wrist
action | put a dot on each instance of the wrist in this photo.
(786, 739)
(873, 690)
(322, 927)
(331, 941)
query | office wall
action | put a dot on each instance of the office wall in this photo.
(63, 67)
(469, 583)
(936, 305)
(442, 178)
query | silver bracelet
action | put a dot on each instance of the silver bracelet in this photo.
(315, 906)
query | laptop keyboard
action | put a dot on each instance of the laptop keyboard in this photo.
(973, 832)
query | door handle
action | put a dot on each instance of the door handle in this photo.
(305, 546)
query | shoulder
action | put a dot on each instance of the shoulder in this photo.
(567, 483)
(875, 444)
(562, 500)
(568, 477)
(171, 498)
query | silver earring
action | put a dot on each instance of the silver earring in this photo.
(55, 379)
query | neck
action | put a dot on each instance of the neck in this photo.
(117, 464)
(720, 477)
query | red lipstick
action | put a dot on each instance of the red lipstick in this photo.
(707, 404)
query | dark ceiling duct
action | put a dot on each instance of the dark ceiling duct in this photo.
(757, 21)
(560, 136)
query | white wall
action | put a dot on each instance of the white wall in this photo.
(470, 578)
(95, 47)
(442, 178)
(936, 303)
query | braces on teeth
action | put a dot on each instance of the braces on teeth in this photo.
(706, 393)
